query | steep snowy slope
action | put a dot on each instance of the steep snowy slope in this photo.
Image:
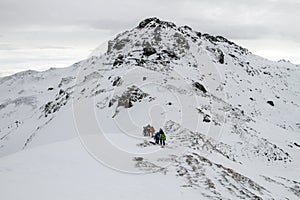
(232, 118)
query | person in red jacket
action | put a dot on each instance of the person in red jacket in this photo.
(151, 130)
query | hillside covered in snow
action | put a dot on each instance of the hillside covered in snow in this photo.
(231, 118)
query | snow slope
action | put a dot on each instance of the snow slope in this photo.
(64, 170)
(231, 119)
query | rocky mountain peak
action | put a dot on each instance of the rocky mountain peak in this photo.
(154, 22)
(156, 37)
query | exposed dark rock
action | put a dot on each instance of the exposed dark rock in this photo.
(222, 39)
(145, 22)
(131, 95)
(61, 92)
(111, 102)
(271, 103)
(117, 81)
(99, 91)
(110, 46)
(206, 118)
(199, 87)
(218, 53)
(148, 51)
(119, 45)
(65, 81)
(120, 57)
(138, 158)
(181, 41)
(232, 55)
(157, 35)
(156, 22)
(171, 54)
(61, 100)
(92, 76)
(187, 27)
(210, 38)
(214, 39)
(119, 60)
(221, 57)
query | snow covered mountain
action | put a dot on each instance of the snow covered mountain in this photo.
(232, 121)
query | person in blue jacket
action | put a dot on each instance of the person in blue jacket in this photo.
(157, 137)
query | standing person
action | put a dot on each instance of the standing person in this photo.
(144, 131)
(156, 137)
(162, 137)
(148, 130)
(151, 129)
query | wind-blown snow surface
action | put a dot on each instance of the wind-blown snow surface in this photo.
(232, 121)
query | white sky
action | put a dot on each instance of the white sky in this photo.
(39, 34)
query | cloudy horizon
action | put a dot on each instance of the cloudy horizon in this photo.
(43, 34)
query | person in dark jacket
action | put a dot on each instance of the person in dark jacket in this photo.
(157, 137)
(162, 137)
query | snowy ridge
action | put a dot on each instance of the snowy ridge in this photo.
(231, 117)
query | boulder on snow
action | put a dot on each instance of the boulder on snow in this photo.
(199, 87)
(218, 53)
(119, 60)
(131, 95)
(271, 103)
(206, 118)
(148, 51)
(117, 81)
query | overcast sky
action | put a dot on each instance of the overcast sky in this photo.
(39, 34)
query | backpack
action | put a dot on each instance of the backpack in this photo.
(163, 136)
(151, 130)
(157, 136)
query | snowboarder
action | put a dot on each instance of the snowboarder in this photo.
(162, 137)
(157, 137)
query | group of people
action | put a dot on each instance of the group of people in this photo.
(148, 131)
(159, 137)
